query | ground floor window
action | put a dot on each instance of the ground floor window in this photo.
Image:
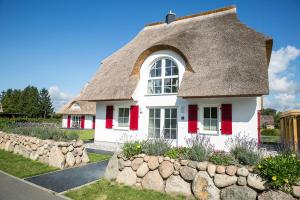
(123, 117)
(210, 119)
(162, 123)
(76, 120)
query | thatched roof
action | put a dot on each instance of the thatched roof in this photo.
(223, 58)
(75, 107)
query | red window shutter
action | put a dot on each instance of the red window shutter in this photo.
(82, 121)
(69, 121)
(193, 119)
(94, 122)
(134, 118)
(226, 123)
(258, 126)
(109, 117)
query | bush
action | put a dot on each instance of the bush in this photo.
(281, 171)
(178, 153)
(132, 148)
(157, 147)
(200, 148)
(244, 150)
(270, 132)
(222, 158)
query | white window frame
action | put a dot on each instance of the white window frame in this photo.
(163, 76)
(79, 121)
(162, 121)
(117, 118)
(201, 117)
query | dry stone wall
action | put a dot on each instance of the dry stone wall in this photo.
(202, 180)
(50, 152)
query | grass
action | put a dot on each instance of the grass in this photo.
(270, 139)
(85, 135)
(21, 167)
(105, 190)
(94, 157)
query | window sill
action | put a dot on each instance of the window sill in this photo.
(121, 128)
(213, 133)
(164, 94)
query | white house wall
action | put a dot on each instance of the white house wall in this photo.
(88, 121)
(65, 121)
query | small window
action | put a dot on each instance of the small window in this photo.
(123, 117)
(210, 119)
(154, 123)
(170, 130)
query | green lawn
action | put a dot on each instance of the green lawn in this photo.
(85, 135)
(21, 167)
(104, 190)
(94, 157)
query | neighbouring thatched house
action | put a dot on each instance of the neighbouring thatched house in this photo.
(199, 74)
(78, 115)
(267, 121)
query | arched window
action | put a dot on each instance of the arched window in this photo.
(163, 77)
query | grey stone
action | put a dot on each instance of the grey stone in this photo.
(235, 192)
(231, 170)
(78, 160)
(16, 149)
(70, 148)
(56, 158)
(142, 170)
(153, 163)
(211, 169)
(9, 146)
(79, 151)
(184, 162)
(123, 163)
(223, 180)
(193, 164)
(296, 191)
(204, 188)
(256, 182)
(275, 195)
(153, 181)
(242, 171)
(202, 166)
(136, 163)
(177, 165)
(176, 185)
(127, 177)
(112, 168)
(79, 143)
(160, 159)
(188, 173)
(242, 180)
(70, 159)
(64, 150)
(34, 155)
(166, 169)
(85, 157)
(220, 169)
(146, 158)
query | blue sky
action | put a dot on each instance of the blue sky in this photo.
(58, 44)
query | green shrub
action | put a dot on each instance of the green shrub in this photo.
(281, 171)
(244, 150)
(157, 147)
(178, 153)
(132, 148)
(72, 135)
(270, 132)
(221, 158)
(200, 148)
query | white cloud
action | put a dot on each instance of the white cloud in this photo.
(282, 87)
(58, 97)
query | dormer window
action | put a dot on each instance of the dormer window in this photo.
(163, 77)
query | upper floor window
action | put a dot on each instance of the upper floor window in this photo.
(163, 77)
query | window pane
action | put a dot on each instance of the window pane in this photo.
(168, 63)
(168, 71)
(151, 132)
(168, 81)
(167, 89)
(126, 112)
(167, 133)
(173, 134)
(167, 123)
(126, 120)
(174, 113)
(157, 133)
(167, 113)
(206, 112)
(157, 113)
(214, 125)
(121, 112)
(157, 123)
(173, 123)
(174, 89)
(174, 71)
(206, 124)
(175, 81)
(214, 111)
(151, 123)
(151, 113)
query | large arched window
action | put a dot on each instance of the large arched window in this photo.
(163, 77)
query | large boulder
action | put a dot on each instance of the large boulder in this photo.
(223, 180)
(256, 182)
(16, 149)
(242, 171)
(56, 158)
(142, 170)
(176, 185)
(231, 170)
(275, 195)
(136, 163)
(296, 191)
(235, 192)
(9, 146)
(153, 163)
(127, 177)
(166, 169)
(70, 159)
(124, 163)
(188, 173)
(204, 188)
(112, 168)
(85, 157)
(153, 181)
(211, 169)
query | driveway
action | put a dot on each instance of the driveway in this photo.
(12, 188)
(63, 180)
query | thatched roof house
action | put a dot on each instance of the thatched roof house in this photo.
(223, 58)
(78, 108)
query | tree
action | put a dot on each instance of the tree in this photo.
(269, 111)
(29, 103)
(45, 103)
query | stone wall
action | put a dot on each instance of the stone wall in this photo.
(53, 153)
(202, 180)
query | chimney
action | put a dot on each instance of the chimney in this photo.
(170, 17)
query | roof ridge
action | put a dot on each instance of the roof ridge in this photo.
(196, 15)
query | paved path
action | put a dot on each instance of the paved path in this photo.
(12, 188)
(69, 178)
